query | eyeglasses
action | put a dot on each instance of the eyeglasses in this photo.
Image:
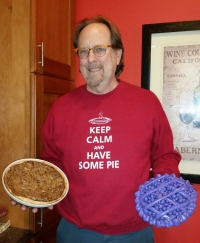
(98, 50)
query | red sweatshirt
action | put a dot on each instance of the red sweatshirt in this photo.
(106, 145)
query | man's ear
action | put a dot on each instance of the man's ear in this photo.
(119, 54)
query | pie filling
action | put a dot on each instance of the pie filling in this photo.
(36, 181)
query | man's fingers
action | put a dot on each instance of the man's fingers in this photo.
(34, 210)
(13, 202)
(23, 208)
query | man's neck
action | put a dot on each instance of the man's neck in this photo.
(102, 89)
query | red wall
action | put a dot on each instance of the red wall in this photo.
(129, 16)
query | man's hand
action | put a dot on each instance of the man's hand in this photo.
(24, 208)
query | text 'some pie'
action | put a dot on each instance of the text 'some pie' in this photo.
(35, 183)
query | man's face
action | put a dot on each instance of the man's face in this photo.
(98, 72)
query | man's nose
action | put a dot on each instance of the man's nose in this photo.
(91, 56)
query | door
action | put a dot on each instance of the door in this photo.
(52, 52)
(45, 90)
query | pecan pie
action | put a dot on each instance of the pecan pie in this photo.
(35, 181)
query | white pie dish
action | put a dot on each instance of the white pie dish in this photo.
(29, 202)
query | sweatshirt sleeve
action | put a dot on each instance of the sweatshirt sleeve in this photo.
(164, 158)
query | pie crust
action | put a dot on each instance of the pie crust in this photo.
(35, 181)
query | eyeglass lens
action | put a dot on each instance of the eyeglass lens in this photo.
(98, 51)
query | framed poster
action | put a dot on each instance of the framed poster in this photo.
(171, 69)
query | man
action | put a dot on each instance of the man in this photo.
(106, 136)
